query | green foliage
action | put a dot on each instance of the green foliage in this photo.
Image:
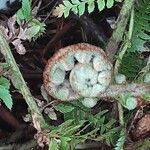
(4, 82)
(100, 122)
(64, 108)
(80, 124)
(25, 12)
(121, 140)
(141, 26)
(65, 133)
(79, 6)
(5, 96)
(64, 143)
(146, 97)
(79, 112)
(128, 101)
(131, 65)
(34, 28)
(53, 144)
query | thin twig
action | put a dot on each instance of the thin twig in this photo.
(123, 49)
(121, 118)
(126, 44)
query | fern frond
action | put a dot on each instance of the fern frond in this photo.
(121, 141)
(141, 28)
(79, 6)
(131, 65)
(96, 127)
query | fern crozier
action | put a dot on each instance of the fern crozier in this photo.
(77, 70)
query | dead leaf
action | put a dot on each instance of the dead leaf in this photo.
(22, 34)
(4, 31)
(58, 11)
(36, 9)
(36, 124)
(19, 47)
(11, 25)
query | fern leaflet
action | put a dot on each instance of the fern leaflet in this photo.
(79, 6)
(141, 26)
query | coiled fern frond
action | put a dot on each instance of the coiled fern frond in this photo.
(141, 30)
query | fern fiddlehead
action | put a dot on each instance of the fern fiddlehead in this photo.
(78, 70)
(83, 70)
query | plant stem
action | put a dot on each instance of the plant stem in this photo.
(118, 33)
(114, 90)
(117, 64)
(126, 44)
(120, 109)
(5, 50)
(133, 89)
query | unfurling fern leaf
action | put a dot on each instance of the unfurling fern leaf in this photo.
(78, 6)
(141, 28)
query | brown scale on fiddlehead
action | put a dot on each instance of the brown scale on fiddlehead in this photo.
(80, 70)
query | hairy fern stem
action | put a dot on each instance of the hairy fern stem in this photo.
(21, 85)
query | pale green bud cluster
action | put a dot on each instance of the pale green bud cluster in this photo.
(131, 103)
(120, 78)
(83, 70)
(147, 78)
